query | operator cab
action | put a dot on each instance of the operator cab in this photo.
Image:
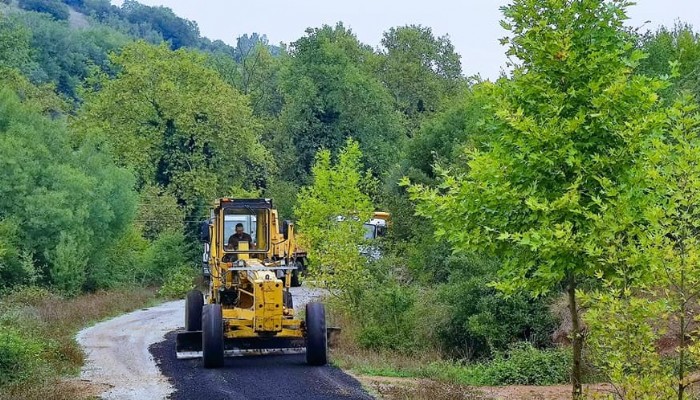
(375, 228)
(253, 216)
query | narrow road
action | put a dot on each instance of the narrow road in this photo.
(117, 352)
(118, 357)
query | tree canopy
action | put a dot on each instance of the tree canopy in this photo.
(331, 94)
(176, 123)
(61, 205)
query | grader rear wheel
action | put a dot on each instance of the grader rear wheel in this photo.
(193, 310)
(212, 336)
(316, 334)
(296, 274)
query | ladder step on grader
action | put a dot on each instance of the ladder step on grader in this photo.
(248, 307)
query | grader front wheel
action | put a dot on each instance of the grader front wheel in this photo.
(316, 334)
(212, 336)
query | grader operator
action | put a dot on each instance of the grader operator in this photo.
(248, 306)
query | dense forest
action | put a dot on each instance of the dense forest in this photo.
(569, 184)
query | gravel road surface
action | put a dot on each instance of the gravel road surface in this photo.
(117, 352)
(118, 357)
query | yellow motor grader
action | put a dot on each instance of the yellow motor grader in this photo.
(250, 260)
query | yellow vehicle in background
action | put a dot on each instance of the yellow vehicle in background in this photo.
(248, 305)
(378, 225)
(375, 228)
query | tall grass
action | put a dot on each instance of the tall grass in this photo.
(37, 338)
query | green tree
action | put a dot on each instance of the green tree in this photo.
(71, 202)
(256, 75)
(418, 68)
(158, 212)
(667, 48)
(64, 55)
(331, 212)
(15, 45)
(177, 124)
(331, 94)
(442, 137)
(673, 171)
(54, 8)
(42, 98)
(566, 128)
(259, 78)
(178, 31)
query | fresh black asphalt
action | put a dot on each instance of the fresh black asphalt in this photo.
(254, 377)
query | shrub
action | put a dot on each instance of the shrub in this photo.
(480, 320)
(69, 266)
(387, 318)
(523, 364)
(178, 283)
(464, 318)
(169, 252)
(31, 296)
(18, 356)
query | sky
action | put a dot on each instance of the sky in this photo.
(472, 25)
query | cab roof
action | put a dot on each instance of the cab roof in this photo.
(244, 203)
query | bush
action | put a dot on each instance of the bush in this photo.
(28, 296)
(37, 337)
(463, 318)
(387, 319)
(69, 266)
(481, 320)
(178, 283)
(169, 252)
(18, 356)
(523, 364)
(55, 8)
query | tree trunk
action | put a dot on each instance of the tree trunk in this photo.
(576, 338)
(681, 355)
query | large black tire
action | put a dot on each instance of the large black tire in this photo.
(296, 282)
(212, 336)
(316, 335)
(193, 310)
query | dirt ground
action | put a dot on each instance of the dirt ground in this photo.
(425, 389)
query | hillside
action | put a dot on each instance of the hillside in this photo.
(89, 30)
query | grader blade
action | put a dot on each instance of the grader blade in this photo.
(188, 344)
